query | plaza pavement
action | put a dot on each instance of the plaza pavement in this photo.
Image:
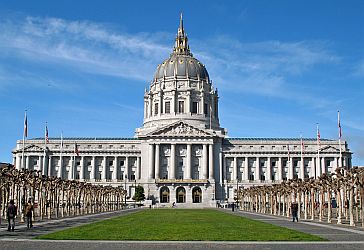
(339, 237)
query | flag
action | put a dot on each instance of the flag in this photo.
(339, 125)
(25, 125)
(76, 150)
(46, 135)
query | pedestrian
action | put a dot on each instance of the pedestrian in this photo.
(11, 214)
(294, 210)
(29, 213)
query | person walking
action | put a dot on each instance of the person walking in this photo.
(11, 214)
(294, 209)
(29, 213)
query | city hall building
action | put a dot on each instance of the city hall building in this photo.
(181, 153)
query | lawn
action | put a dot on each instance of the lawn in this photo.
(180, 224)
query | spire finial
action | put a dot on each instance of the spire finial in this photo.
(181, 45)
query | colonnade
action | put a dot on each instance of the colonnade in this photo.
(83, 167)
(154, 171)
(274, 168)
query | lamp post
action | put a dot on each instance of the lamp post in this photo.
(135, 186)
(237, 193)
(126, 176)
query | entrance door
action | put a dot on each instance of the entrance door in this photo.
(196, 195)
(164, 194)
(181, 195)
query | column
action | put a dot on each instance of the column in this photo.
(235, 169)
(336, 165)
(246, 169)
(269, 169)
(70, 173)
(93, 168)
(18, 162)
(49, 172)
(313, 167)
(224, 168)
(290, 168)
(323, 165)
(188, 164)
(202, 103)
(151, 161)
(137, 177)
(60, 168)
(280, 172)
(116, 169)
(172, 167)
(157, 161)
(103, 177)
(318, 166)
(82, 168)
(257, 169)
(149, 106)
(126, 171)
(302, 169)
(173, 103)
(211, 161)
(204, 161)
(41, 163)
(188, 103)
(26, 162)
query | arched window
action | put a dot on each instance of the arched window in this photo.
(196, 195)
(164, 195)
(181, 195)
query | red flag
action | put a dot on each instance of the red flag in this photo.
(25, 125)
(338, 121)
(46, 135)
(76, 150)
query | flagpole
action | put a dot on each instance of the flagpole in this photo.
(302, 162)
(341, 159)
(318, 167)
(45, 154)
(60, 171)
(25, 134)
(210, 115)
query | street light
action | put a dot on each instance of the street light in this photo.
(126, 176)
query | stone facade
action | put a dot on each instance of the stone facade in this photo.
(181, 154)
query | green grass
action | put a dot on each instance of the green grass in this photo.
(180, 224)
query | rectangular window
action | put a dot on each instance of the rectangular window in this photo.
(167, 108)
(132, 177)
(181, 106)
(110, 163)
(205, 109)
(194, 107)
(156, 108)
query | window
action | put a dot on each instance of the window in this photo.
(251, 177)
(205, 109)
(194, 107)
(89, 163)
(156, 108)
(100, 146)
(262, 177)
(132, 177)
(167, 108)
(273, 163)
(110, 163)
(78, 163)
(181, 106)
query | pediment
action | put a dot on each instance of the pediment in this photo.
(329, 149)
(180, 128)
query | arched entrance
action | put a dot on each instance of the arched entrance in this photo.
(196, 195)
(181, 195)
(164, 195)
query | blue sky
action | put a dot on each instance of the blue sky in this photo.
(280, 66)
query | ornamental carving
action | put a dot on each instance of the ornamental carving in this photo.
(183, 129)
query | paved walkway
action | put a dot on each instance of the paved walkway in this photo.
(340, 237)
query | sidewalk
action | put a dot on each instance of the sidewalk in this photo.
(48, 226)
(331, 232)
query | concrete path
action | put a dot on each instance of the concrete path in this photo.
(340, 238)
